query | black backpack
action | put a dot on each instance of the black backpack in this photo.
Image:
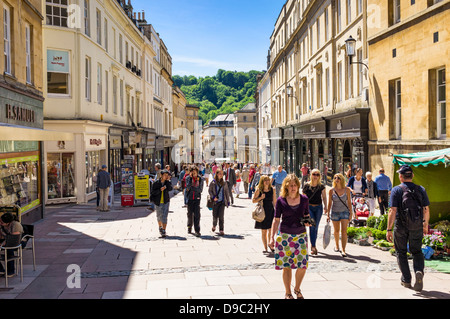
(411, 214)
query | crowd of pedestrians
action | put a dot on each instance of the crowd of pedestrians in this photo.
(292, 204)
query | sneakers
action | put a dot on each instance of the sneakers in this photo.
(162, 231)
(406, 284)
(418, 286)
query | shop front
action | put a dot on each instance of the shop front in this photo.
(315, 144)
(349, 136)
(276, 146)
(290, 154)
(159, 150)
(115, 156)
(149, 152)
(72, 166)
(21, 152)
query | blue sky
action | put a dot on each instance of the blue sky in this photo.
(203, 36)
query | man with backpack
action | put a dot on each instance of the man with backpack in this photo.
(407, 223)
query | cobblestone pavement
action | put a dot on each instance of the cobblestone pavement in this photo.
(82, 253)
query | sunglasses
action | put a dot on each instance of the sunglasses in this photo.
(338, 178)
(315, 174)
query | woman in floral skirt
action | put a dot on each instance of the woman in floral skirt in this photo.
(291, 243)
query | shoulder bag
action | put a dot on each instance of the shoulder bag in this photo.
(258, 213)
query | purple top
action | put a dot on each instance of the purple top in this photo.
(291, 216)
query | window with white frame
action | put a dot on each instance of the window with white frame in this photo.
(120, 48)
(360, 72)
(396, 4)
(87, 19)
(327, 80)
(121, 98)
(398, 109)
(99, 84)
(106, 35)
(99, 26)
(58, 72)
(87, 78)
(340, 91)
(338, 13)
(106, 92)
(114, 94)
(441, 104)
(349, 12)
(7, 38)
(28, 43)
(56, 12)
(318, 34)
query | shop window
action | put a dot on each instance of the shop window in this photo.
(58, 70)
(92, 169)
(19, 181)
(60, 175)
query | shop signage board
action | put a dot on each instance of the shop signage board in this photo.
(127, 181)
(142, 187)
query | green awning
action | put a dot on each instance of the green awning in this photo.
(424, 158)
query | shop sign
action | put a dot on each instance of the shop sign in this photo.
(115, 142)
(289, 133)
(151, 141)
(141, 187)
(57, 61)
(160, 143)
(95, 141)
(17, 113)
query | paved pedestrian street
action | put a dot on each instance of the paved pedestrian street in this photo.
(82, 253)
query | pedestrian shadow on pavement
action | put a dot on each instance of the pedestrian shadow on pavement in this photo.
(168, 237)
(432, 294)
(350, 258)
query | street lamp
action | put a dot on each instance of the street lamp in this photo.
(350, 47)
(290, 91)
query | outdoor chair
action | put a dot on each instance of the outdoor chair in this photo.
(12, 244)
(28, 234)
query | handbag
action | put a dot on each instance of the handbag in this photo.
(258, 213)
(210, 200)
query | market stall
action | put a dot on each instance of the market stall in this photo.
(432, 171)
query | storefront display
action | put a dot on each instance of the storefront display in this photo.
(127, 180)
(92, 169)
(60, 175)
(19, 180)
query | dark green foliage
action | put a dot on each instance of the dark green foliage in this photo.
(224, 93)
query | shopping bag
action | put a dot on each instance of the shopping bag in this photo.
(327, 235)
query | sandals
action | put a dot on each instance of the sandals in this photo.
(288, 296)
(314, 251)
(297, 293)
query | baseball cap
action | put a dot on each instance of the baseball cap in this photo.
(104, 166)
(405, 169)
(164, 171)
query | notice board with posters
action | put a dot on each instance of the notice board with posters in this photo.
(141, 187)
(127, 187)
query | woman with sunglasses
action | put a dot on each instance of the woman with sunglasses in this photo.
(317, 195)
(340, 211)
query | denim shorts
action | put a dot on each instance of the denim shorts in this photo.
(338, 216)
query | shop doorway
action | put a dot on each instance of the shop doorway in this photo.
(60, 175)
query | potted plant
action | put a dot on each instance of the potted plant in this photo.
(447, 244)
(435, 241)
